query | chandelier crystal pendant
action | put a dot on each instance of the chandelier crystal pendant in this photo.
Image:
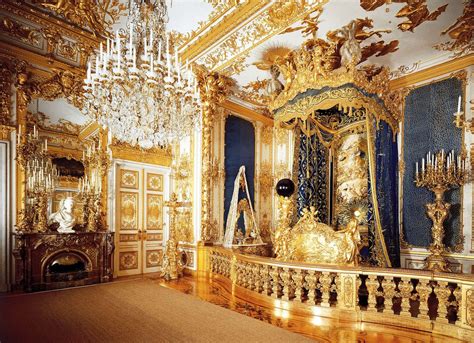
(137, 87)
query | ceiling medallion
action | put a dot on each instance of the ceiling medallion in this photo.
(136, 88)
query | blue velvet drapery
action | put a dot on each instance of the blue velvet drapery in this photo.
(312, 177)
(386, 176)
(239, 150)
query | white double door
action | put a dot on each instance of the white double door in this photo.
(140, 218)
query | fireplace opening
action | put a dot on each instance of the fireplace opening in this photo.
(66, 267)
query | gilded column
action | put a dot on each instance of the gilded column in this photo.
(23, 98)
(214, 88)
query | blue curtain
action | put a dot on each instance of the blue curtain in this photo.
(312, 177)
(429, 126)
(386, 152)
(239, 150)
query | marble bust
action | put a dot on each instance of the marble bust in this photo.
(64, 216)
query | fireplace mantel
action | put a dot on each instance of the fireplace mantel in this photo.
(38, 257)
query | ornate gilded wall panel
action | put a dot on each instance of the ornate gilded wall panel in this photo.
(154, 182)
(128, 260)
(129, 179)
(154, 211)
(128, 211)
(128, 237)
(152, 237)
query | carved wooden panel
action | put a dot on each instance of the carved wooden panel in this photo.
(128, 260)
(128, 211)
(154, 210)
(128, 237)
(154, 182)
(129, 179)
(154, 258)
(150, 237)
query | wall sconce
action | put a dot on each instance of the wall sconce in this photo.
(460, 122)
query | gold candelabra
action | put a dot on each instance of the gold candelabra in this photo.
(439, 173)
(41, 179)
(172, 267)
(90, 188)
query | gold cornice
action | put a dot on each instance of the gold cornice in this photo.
(214, 34)
(37, 16)
(156, 156)
(432, 72)
(34, 58)
(246, 112)
(89, 130)
(69, 153)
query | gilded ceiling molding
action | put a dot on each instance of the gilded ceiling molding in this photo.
(96, 16)
(432, 72)
(207, 35)
(248, 113)
(41, 33)
(460, 32)
(214, 89)
(274, 19)
(157, 156)
(415, 12)
(41, 120)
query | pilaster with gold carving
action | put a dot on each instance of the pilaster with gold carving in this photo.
(214, 88)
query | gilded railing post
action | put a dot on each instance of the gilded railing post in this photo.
(467, 306)
(298, 278)
(264, 273)
(442, 292)
(405, 286)
(311, 282)
(325, 287)
(275, 275)
(388, 286)
(372, 284)
(214, 88)
(347, 291)
(233, 270)
(285, 276)
(424, 291)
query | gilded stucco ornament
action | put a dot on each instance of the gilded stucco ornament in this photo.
(214, 89)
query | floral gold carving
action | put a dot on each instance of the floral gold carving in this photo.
(128, 260)
(265, 180)
(6, 82)
(129, 178)
(96, 16)
(25, 33)
(214, 88)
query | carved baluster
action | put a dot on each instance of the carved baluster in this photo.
(276, 287)
(372, 283)
(264, 273)
(336, 288)
(347, 291)
(442, 293)
(457, 292)
(256, 278)
(424, 290)
(311, 281)
(388, 291)
(285, 276)
(298, 280)
(248, 276)
(405, 286)
(325, 284)
(240, 273)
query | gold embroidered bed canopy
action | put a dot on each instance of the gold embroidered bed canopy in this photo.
(315, 80)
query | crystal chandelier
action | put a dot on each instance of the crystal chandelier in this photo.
(137, 87)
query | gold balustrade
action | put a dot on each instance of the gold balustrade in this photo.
(424, 300)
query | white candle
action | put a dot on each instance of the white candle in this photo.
(423, 165)
(145, 47)
(459, 105)
(151, 38)
(416, 168)
(131, 39)
(46, 145)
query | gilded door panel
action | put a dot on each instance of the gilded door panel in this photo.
(153, 239)
(129, 221)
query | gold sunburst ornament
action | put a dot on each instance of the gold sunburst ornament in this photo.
(270, 55)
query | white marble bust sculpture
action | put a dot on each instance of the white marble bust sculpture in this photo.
(64, 216)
